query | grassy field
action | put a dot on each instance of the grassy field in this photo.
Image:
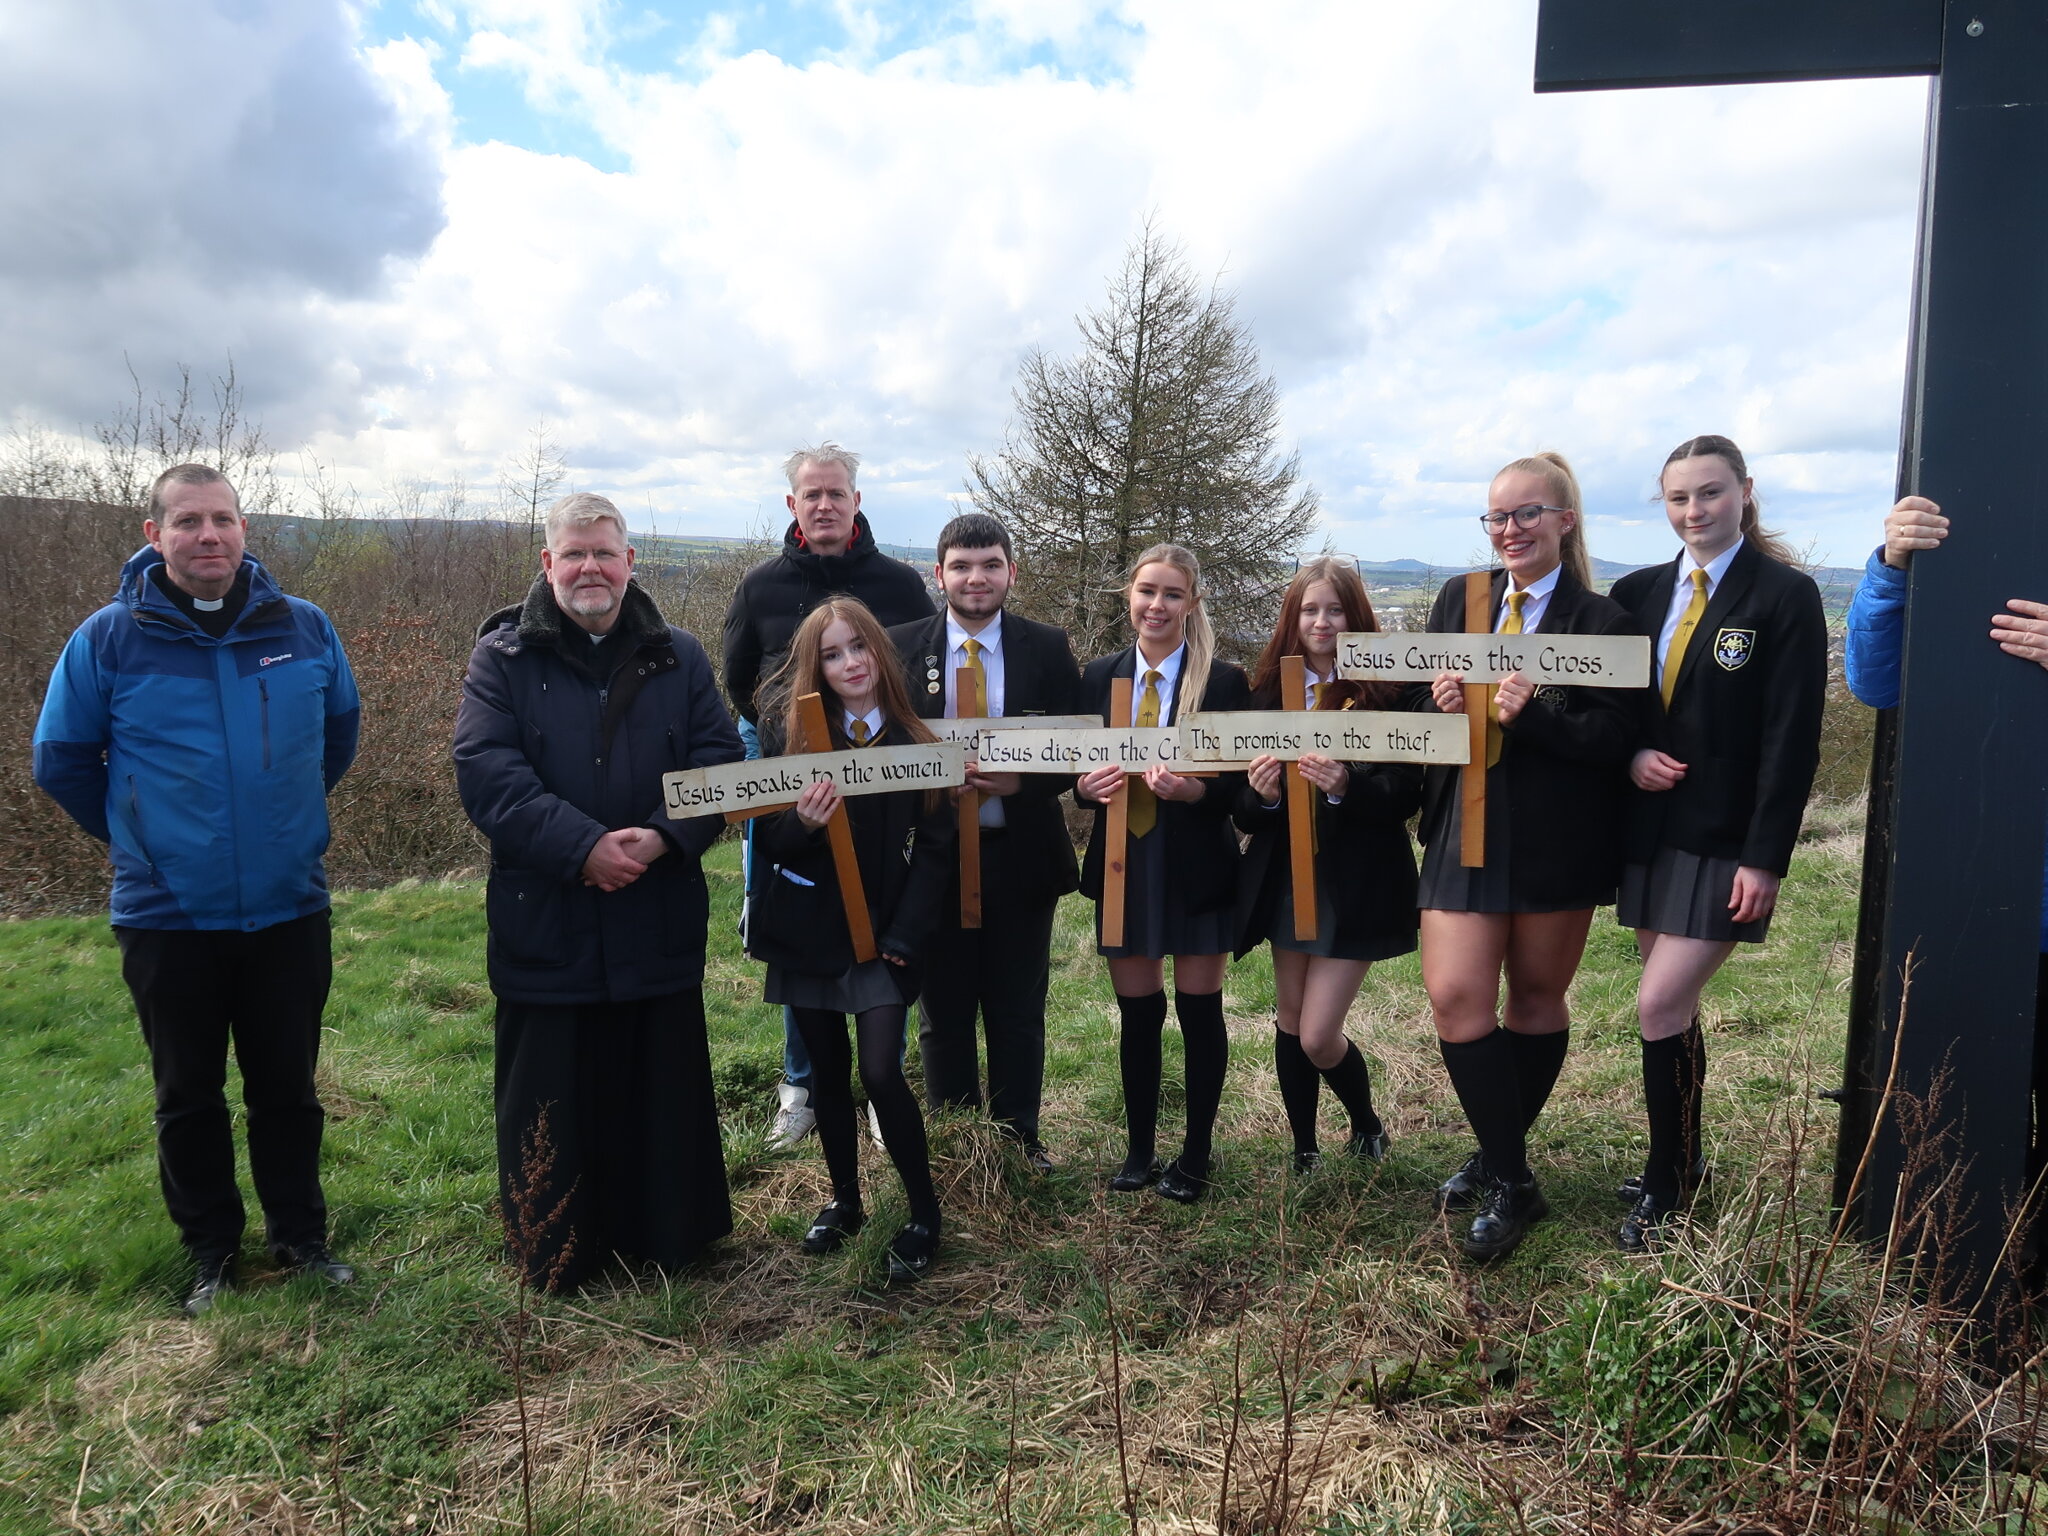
(1295, 1354)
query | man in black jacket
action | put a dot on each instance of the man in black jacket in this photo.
(828, 549)
(577, 701)
(1002, 968)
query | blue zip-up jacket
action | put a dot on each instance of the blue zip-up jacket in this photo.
(203, 764)
(1877, 636)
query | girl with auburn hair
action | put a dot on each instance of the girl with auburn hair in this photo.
(1555, 793)
(1734, 739)
(1180, 868)
(1365, 869)
(903, 842)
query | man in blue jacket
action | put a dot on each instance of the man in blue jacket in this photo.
(577, 701)
(195, 725)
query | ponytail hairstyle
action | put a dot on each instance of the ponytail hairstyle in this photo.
(1563, 488)
(1713, 445)
(803, 671)
(1201, 639)
(1343, 577)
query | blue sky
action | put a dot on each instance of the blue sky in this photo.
(686, 239)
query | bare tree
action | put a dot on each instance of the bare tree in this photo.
(529, 480)
(1162, 428)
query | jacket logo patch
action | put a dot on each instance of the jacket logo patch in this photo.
(1733, 648)
(271, 660)
(1549, 693)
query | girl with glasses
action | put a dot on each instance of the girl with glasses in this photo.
(1741, 650)
(1555, 787)
(1180, 868)
(1364, 866)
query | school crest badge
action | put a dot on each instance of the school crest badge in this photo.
(1552, 695)
(1732, 648)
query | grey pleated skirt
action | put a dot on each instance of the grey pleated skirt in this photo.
(1280, 933)
(1156, 923)
(1686, 895)
(870, 984)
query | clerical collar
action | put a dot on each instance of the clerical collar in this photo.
(209, 604)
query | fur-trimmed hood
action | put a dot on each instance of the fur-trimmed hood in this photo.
(539, 620)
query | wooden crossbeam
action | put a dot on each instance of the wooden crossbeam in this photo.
(1116, 836)
(1301, 808)
(1478, 711)
(967, 701)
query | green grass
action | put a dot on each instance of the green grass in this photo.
(763, 1391)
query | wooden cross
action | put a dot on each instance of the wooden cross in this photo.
(1952, 861)
(969, 704)
(1478, 714)
(812, 735)
(1116, 835)
(1301, 808)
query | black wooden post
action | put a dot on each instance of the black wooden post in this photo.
(1960, 785)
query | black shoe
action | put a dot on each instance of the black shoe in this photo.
(1037, 1159)
(216, 1274)
(1307, 1162)
(1178, 1185)
(1134, 1176)
(1368, 1149)
(1506, 1212)
(1697, 1178)
(312, 1259)
(1642, 1229)
(910, 1253)
(1462, 1189)
(833, 1227)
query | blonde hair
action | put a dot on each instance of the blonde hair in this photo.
(1563, 486)
(1200, 638)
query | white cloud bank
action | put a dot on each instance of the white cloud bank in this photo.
(1443, 270)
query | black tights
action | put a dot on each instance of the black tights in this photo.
(1205, 1044)
(880, 1032)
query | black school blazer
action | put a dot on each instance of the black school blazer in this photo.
(1201, 844)
(1565, 759)
(905, 854)
(1364, 861)
(1744, 718)
(1039, 678)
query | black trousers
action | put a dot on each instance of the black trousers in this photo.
(607, 1136)
(196, 990)
(1000, 970)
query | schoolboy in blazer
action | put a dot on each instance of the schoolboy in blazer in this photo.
(1001, 969)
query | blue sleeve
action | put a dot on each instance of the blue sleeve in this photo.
(1877, 631)
(344, 713)
(71, 736)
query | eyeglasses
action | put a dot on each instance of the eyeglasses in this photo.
(579, 556)
(1527, 516)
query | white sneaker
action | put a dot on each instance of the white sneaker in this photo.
(794, 1118)
(875, 1127)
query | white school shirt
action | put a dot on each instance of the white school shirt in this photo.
(874, 722)
(991, 642)
(1534, 605)
(1681, 597)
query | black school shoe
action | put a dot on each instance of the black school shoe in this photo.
(312, 1259)
(1132, 1177)
(1506, 1212)
(911, 1252)
(1642, 1229)
(216, 1275)
(833, 1228)
(1461, 1191)
(1182, 1187)
(1369, 1149)
(1697, 1178)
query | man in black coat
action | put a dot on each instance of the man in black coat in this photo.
(828, 549)
(577, 701)
(1002, 968)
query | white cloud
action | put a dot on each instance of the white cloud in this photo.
(1443, 269)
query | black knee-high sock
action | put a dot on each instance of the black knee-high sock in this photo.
(824, 1037)
(1483, 1073)
(1538, 1060)
(1206, 1041)
(1351, 1081)
(1670, 1099)
(1300, 1088)
(1137, 1049)
(881, 1074)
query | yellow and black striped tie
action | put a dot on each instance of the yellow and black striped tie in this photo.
(1142, 811)
(860, 733)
